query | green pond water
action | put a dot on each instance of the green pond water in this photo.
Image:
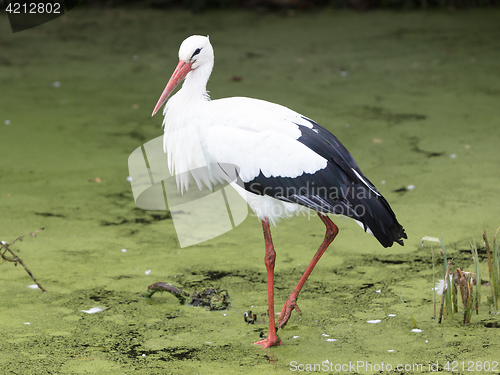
(415, 83)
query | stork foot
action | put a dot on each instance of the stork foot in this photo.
(272, 340)
(290, 305)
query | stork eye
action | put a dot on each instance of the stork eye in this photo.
(198, 50)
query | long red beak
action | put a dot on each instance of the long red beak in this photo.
(183, 68)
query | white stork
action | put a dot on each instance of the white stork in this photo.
(285, 162)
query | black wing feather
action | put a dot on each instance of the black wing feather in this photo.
(336, 189)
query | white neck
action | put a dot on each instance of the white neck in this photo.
(195, 84)
(182, 113)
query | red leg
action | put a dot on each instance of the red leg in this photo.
(269, 260)
(291, 303)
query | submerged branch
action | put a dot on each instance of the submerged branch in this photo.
(213, 299)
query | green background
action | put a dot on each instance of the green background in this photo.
(416, 81)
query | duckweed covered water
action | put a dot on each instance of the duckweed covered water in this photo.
(413, 96)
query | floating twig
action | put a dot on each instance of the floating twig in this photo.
(4, 247)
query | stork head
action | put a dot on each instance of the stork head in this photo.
(195, 52)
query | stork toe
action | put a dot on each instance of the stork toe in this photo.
(290, 305)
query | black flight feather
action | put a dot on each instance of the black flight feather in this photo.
(339, 188)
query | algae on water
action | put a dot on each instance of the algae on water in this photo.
(388, 85)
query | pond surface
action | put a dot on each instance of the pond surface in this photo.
(413, 96)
